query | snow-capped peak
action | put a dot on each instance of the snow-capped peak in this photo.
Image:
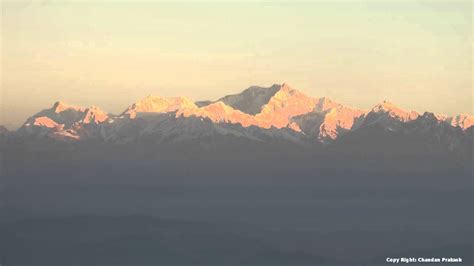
(94, 115)
(60, 107)
(394, 111)
(278, 107)
(463, 121)
(385, 106)
(156, 104)
(251, 100)
(324, 103)
(285, 104)
(63, 121)
(44, 121)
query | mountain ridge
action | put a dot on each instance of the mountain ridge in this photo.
(278, 107)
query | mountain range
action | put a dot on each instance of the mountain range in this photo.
(259, 114)
(269, 176)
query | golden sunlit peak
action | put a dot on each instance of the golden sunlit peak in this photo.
(286, 86)
(394, 111)
(156, 104)
(60, 106)
(386, 106)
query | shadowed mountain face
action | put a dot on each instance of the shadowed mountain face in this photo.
(270, 176)
(4, 131)
(251, 100)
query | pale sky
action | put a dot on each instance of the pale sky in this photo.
(416, 54)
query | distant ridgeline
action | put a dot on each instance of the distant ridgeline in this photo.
(261, 114)
(259, 124)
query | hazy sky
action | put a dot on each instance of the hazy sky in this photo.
(417, 54)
